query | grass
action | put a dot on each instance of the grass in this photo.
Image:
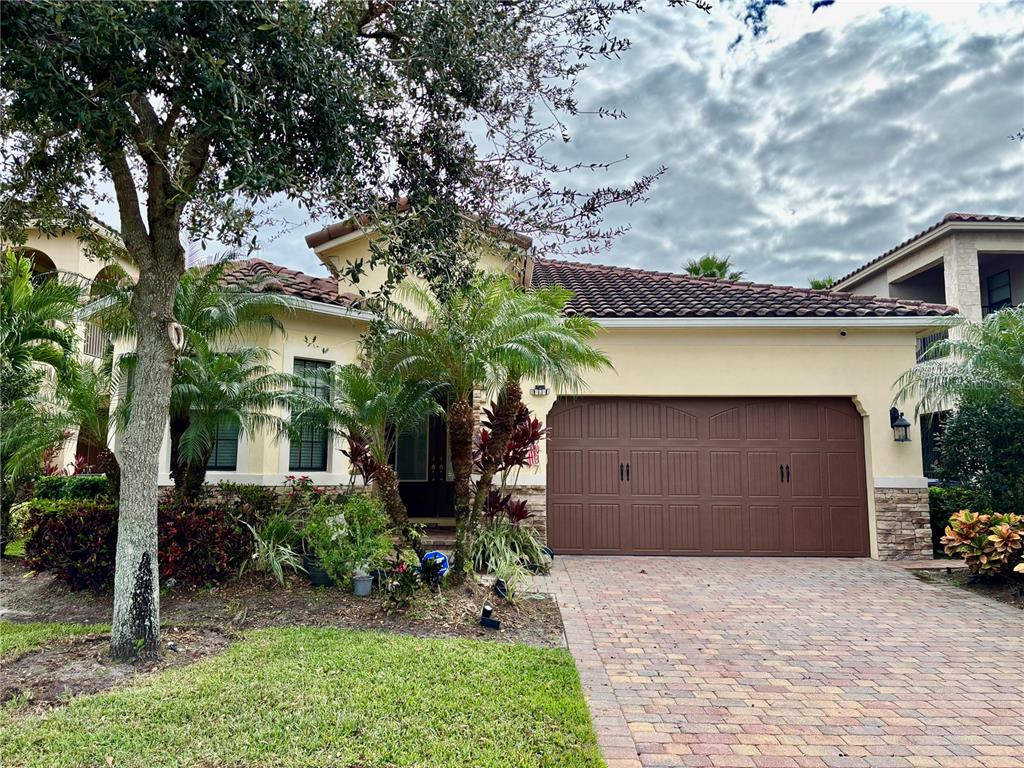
(18, 638)
(314, 697)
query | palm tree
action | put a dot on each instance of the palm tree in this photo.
(981, 362)
(373, 406)
(36, 338)
(86, 402)
(713, 265)
(214, 309)
(483, 338)
(213, 391)
(36, 320)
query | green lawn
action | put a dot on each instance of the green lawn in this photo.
(316, 697)
(16, 638)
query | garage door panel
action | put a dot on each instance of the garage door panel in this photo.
(704, 476)
(728, 529)
(726, 473)
(646, 473)
(601, 528)
(683, 473)
(809, 529)
(848, 536)
(682, 529)
(725, 425)
(566, 475)
(763, 476)
(806, 475)
(601, 420)
(844, 477)
(647, 527)
(765, 528)
(565, 526)
(602, 478)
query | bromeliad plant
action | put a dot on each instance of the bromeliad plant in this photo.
(503, 539)
(990, 544)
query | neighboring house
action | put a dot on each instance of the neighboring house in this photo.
(971, 261)
(739, 419)
(67, 255)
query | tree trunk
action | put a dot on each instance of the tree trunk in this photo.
(501, 431)
(460, 435)
(135, 630)
(385, 482)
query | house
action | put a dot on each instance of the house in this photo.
(974, 262)
(739, 419)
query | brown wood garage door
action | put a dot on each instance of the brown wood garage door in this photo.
(706, 476)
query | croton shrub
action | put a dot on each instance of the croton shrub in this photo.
(990, 544)
(76, 539)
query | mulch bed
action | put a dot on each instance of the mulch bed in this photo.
(254, 601)
(204, 621)
(71, 666)
(1010, 592)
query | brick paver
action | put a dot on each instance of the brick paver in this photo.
(791, 663)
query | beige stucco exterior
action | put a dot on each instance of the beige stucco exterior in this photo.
(949, 265)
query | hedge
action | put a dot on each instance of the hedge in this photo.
(72, 487)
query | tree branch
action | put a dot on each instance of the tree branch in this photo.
(133, 228)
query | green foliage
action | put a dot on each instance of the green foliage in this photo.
(72, 487)
(512, 573)
(943, 503)
(76, 539)
(485, 333)
(822, 283)
(275, 547)
(401, 580)
(301, 697)
(369, 402)
(981, 447)
(979, 363)
(713, 265)
(499, 541)
(253, 504)
(348, 539)
(990, 544)
(15, 638)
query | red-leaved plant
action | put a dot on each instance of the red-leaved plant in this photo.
(527, 431)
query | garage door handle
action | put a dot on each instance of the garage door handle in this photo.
(787, 473)
(621, 467)
(782, 474)
(627, 472)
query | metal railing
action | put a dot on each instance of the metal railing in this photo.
(925, 342)
(94, 343)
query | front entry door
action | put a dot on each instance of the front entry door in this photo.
(423, 477)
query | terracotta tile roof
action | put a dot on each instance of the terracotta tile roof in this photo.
(273, 278)
(949, 218)
(342, 228)
(613, 292)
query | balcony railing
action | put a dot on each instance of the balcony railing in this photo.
(95, 341)
(925, 342)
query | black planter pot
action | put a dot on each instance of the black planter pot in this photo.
(317, 576)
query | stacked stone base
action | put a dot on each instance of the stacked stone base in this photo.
(902, 524)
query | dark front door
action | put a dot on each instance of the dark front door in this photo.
(422, 464)
(707, 476)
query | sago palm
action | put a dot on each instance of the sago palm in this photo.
(981, 361)
(485, 335)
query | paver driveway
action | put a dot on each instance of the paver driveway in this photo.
(789, 662)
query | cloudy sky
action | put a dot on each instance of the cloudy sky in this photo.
(800, 140)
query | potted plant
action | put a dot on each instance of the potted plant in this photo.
(321, 554)
(366, 541)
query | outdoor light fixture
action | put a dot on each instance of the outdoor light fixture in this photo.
(539, 390)
(486, 620)
(900, 426)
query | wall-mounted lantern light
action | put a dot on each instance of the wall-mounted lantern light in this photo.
(900, 426)
(540, 390)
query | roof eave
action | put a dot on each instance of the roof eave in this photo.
(917, 322)
(920, 242)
